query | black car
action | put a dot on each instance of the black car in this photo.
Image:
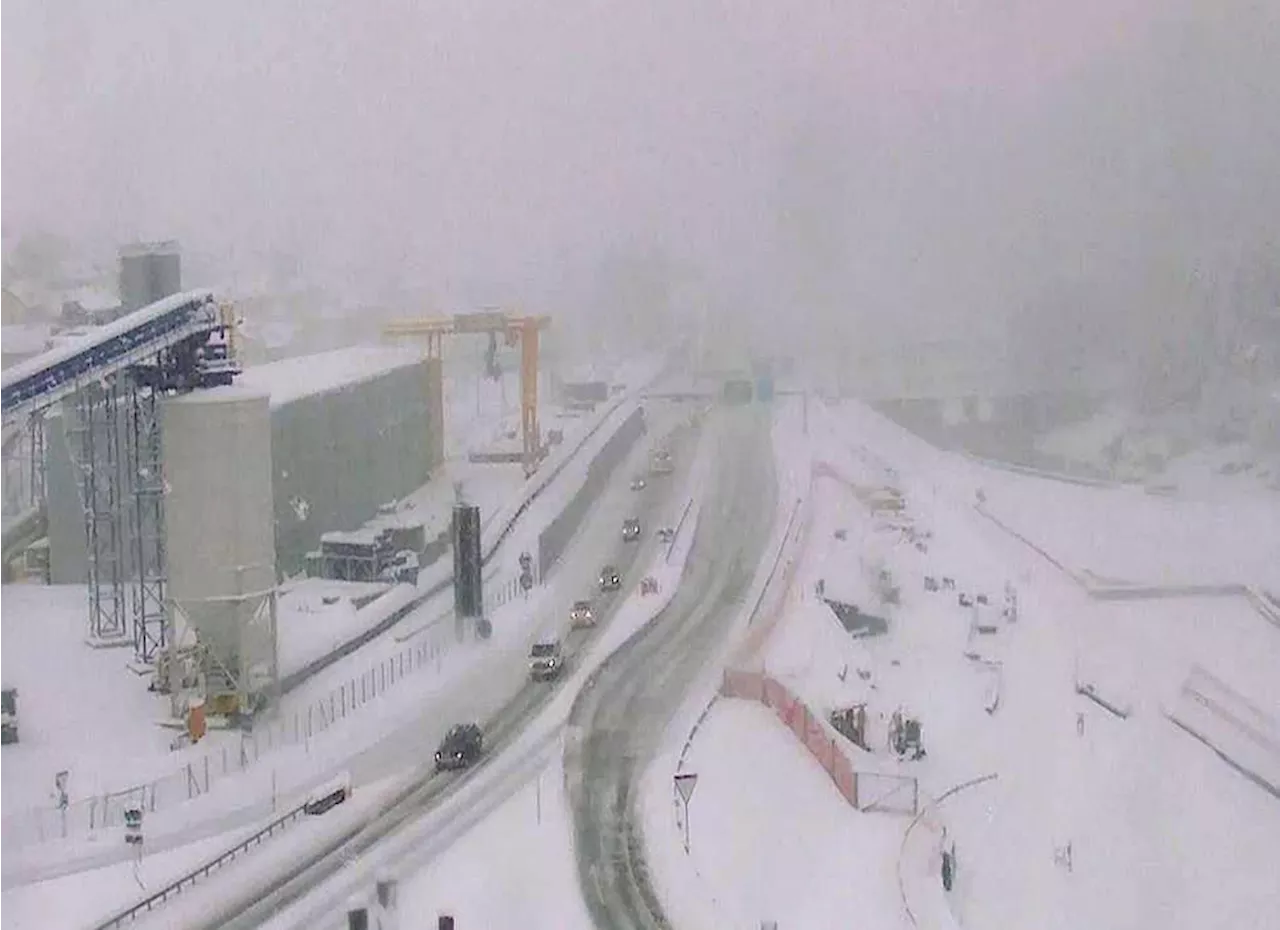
(610, 579)
(630, 530)
(460, 748)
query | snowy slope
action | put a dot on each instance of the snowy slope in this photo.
(1146, 849)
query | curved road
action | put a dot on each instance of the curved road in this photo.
(624, 710)
(505, 709)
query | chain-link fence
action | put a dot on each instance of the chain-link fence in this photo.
(199, 775)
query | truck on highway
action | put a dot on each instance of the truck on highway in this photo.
(660, 462)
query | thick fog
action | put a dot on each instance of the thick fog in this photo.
(1036, 179)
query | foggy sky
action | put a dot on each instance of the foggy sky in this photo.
(886, 162)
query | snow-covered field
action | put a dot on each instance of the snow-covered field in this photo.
(772, 839)
(1147, 849)
(1128, 535)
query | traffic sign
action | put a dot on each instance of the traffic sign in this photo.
(685, 784)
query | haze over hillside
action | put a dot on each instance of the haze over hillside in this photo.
(1038, 180)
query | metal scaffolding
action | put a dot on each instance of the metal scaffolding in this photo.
(144, 465)
(36, 464)
(94, 439)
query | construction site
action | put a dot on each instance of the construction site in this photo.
(189, 495)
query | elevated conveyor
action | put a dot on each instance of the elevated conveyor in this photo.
(42, 381)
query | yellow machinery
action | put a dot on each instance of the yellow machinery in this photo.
(525, 329)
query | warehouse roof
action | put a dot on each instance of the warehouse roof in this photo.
(292, 378)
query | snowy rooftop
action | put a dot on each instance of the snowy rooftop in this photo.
(293, 378)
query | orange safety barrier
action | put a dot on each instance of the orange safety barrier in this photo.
(797, 716)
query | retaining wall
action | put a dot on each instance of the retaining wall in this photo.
(555, 539)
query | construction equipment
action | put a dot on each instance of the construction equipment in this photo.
(523, 329)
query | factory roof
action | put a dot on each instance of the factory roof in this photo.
(292, 378)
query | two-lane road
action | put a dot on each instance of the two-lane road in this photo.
(624, 713)
(497, 690)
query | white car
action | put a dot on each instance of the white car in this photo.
(581, 615)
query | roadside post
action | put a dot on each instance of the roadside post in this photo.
(685, 783)
(61, 797)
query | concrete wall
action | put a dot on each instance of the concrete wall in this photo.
(337, 456)
(555, 539)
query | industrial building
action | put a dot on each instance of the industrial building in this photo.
(350, 431)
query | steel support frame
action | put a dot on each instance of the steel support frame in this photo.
(144, 464)
(95, 444)
(36, 426)
(529, 431)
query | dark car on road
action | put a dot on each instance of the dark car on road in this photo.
(546, 660)
(610, 579)
(460, 748)
(630, 530)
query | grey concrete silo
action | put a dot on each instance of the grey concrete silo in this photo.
(149, 271)
(220, 535)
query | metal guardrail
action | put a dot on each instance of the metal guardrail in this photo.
(675, 534)
(777, 560)
(174, 888)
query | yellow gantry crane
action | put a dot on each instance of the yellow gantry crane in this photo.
(522, 329)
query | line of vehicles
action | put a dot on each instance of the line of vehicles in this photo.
(463, 744)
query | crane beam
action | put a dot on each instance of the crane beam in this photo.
(512, 328)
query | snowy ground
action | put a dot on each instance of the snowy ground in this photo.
(1147, 849)
(770, 838)
(528, 878)
(67, 692)
(1125, 534)
(43, 631)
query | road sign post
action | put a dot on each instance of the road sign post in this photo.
(685, 783)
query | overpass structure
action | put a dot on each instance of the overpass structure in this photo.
(107, 383)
